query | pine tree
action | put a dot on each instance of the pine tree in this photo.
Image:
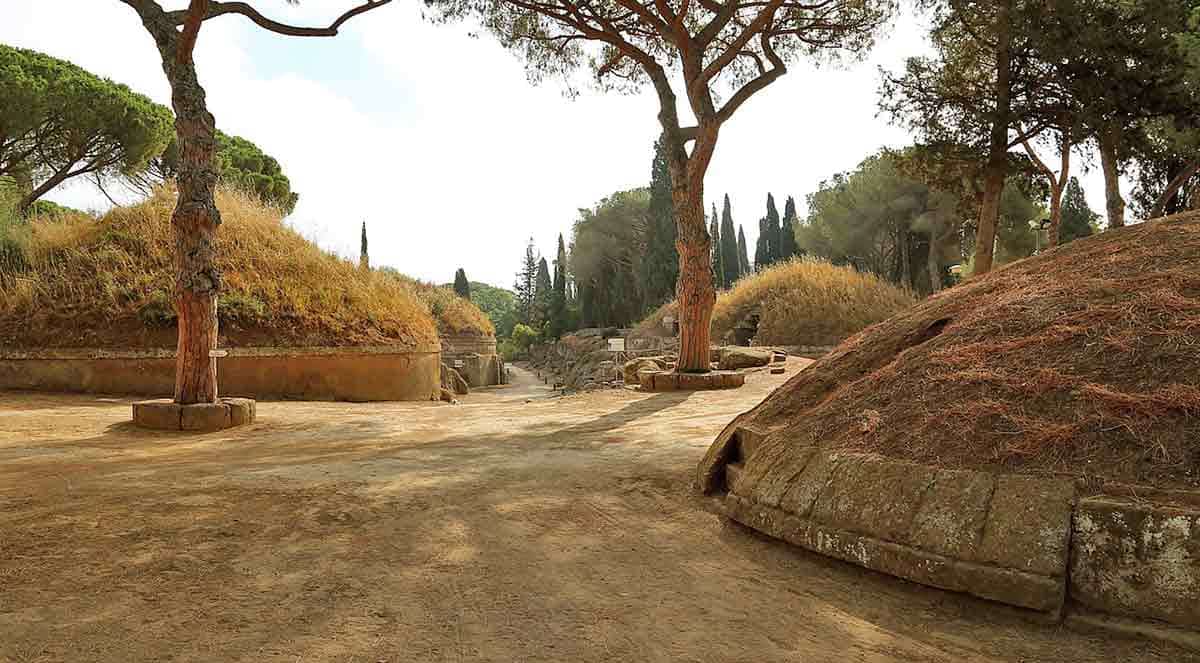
(461, 285)
(558, 302)
(363, 260)
(774, 250)
(526, 285)
(730, 264)
(1078, 220)
(718, 267)
(660, 264)
(743, 257)
(787, 239)
(543, 293)
(762, 254)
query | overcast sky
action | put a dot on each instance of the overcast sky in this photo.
(436, 139)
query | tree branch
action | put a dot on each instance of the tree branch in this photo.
(241, 8)
(191, 30)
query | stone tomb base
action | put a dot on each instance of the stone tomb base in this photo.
(672, 381)
(165, 414)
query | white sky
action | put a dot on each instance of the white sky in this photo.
(439, 142)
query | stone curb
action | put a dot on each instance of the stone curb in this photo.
(671, 381)
(165, 414)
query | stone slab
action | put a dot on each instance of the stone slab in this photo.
(951, 519)
(1029, 525)
(1025, 590)
(1137, 559)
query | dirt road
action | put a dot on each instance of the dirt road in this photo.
(511, 527)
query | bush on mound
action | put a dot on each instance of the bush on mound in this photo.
(84, 282)
(1083, 360)
(799, 302)
(454, 314)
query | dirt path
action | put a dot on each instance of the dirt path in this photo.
(511, 527)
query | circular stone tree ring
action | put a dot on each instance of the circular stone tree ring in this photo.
(166, 414)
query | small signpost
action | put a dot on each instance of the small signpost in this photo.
(218, 354)
(458, 363)
(616, 345)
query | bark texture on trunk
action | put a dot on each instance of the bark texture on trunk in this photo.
(195, 219)
(989, 216)
(194, 226)
(1114, 203)
(997, 166)
(1053, 232)
(1188, 172)
(694, 290)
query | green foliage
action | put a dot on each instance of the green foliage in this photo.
(1078, 220)
(730, 262)
(718, 262)
(660, 265)
(787, 233)
(462, 287)
(607, 246)
(526, 286)
(543, 293)
(559, 313)
(59, 121)
(498, 304)
(522, 337)
(243, 164)
(743, 257)
(772, 248)
(241, 308)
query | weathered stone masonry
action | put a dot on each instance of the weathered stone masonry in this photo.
(1029, 541)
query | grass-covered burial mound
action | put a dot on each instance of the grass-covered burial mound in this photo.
(1084, 360)
(74, 281)
(799, 302)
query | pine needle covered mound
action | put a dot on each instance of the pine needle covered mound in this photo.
(106, 283)
(799, 302)
(1083, 360)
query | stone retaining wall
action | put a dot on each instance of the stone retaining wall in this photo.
(475, 358)
(1030, 541)
(352, 374)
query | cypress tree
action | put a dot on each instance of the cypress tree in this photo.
(363, 260)
(718, 268)
(461, 285)
(660, 264)
(774, 250)
(787, 240)
(743, 257)
(731, 266)
(526, 285)
(558, 303)
(762, 256)
(542, 293)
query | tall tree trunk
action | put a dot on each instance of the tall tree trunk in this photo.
(694, 290)
(933, 263)
(1109, 163)
(997, 166)
(195, 219)
(194, 227)
(1188, 172)
(1053, 232)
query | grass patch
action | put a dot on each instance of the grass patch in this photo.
(454, 315)
(106, 283)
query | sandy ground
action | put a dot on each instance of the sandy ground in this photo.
(511, 527)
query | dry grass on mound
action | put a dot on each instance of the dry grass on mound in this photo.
(106, 283)
(454, 315)
(800, 302)
(1083, 360)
